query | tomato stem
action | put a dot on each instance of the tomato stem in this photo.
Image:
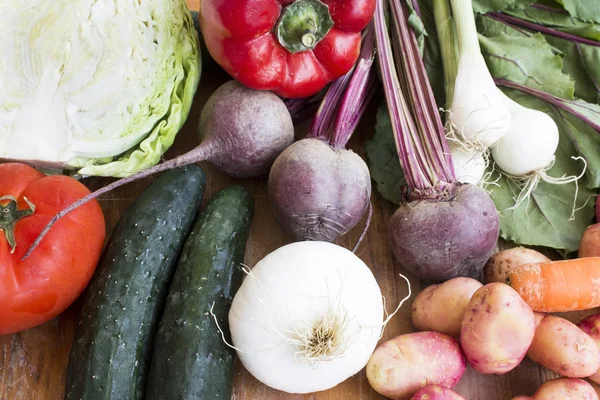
(10, 215)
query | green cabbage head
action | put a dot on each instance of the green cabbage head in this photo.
(99, 86)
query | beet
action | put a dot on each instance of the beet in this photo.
(446, 229)
(318, 192)
(440, 240)
(244, 129)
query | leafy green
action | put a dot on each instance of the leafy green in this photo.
(488, 27)
(484, 6)
(559, 20)
(581, 62)
(579, 59)
(584, 137)
(585, 10)
(382, 158)
(528, 60)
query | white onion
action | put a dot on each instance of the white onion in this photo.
(290, 294)
(529, 144)
(469, 167)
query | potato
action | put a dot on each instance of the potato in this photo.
(401, 366)
(497, 329)
(591, 326)
(436, 392)
(590, 242)
(440, 308)
(563, 389)
(561, 346)
(501, 263)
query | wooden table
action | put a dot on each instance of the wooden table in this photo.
(33, 363)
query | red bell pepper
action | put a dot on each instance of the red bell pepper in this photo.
(293, 48)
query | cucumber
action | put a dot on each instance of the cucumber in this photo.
(112, 348)
(190, 360)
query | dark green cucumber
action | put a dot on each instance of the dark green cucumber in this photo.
(190, 360)
(112, 348)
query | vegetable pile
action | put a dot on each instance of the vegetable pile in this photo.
(497, 328)
(540, 58)
(488, 128)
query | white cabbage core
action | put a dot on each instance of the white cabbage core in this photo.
(82, 78)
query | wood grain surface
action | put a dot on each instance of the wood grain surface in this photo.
(33, 363)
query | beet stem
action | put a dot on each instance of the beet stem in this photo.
(509, 20)
(418, 130)
(421, 97)
(416, 7)
(358, 93)
(200, 153)
(549, 8)
(322, 125)
(401, 120)
(347, 98)
(557, 102)
(303, 109)
(365, 229)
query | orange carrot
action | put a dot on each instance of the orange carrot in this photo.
(558, 286)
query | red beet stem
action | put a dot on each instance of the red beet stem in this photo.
(198, 154)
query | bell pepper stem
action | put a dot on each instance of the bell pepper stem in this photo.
(10, 215)
(309, 39)
(303, 24)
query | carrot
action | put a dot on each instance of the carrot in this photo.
(558, 286)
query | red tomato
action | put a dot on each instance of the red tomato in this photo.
(42, 286)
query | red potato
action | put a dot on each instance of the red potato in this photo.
(563, 389)
(401, 366)
(440, 308)
(590, 242)
(591, 326)
(436, 392)
(562, 347)
(497, 329)
(501, 263)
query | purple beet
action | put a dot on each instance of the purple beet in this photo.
(318, 189)
(440, 240)
(244, 130)
(318, 192)
(445, 229)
